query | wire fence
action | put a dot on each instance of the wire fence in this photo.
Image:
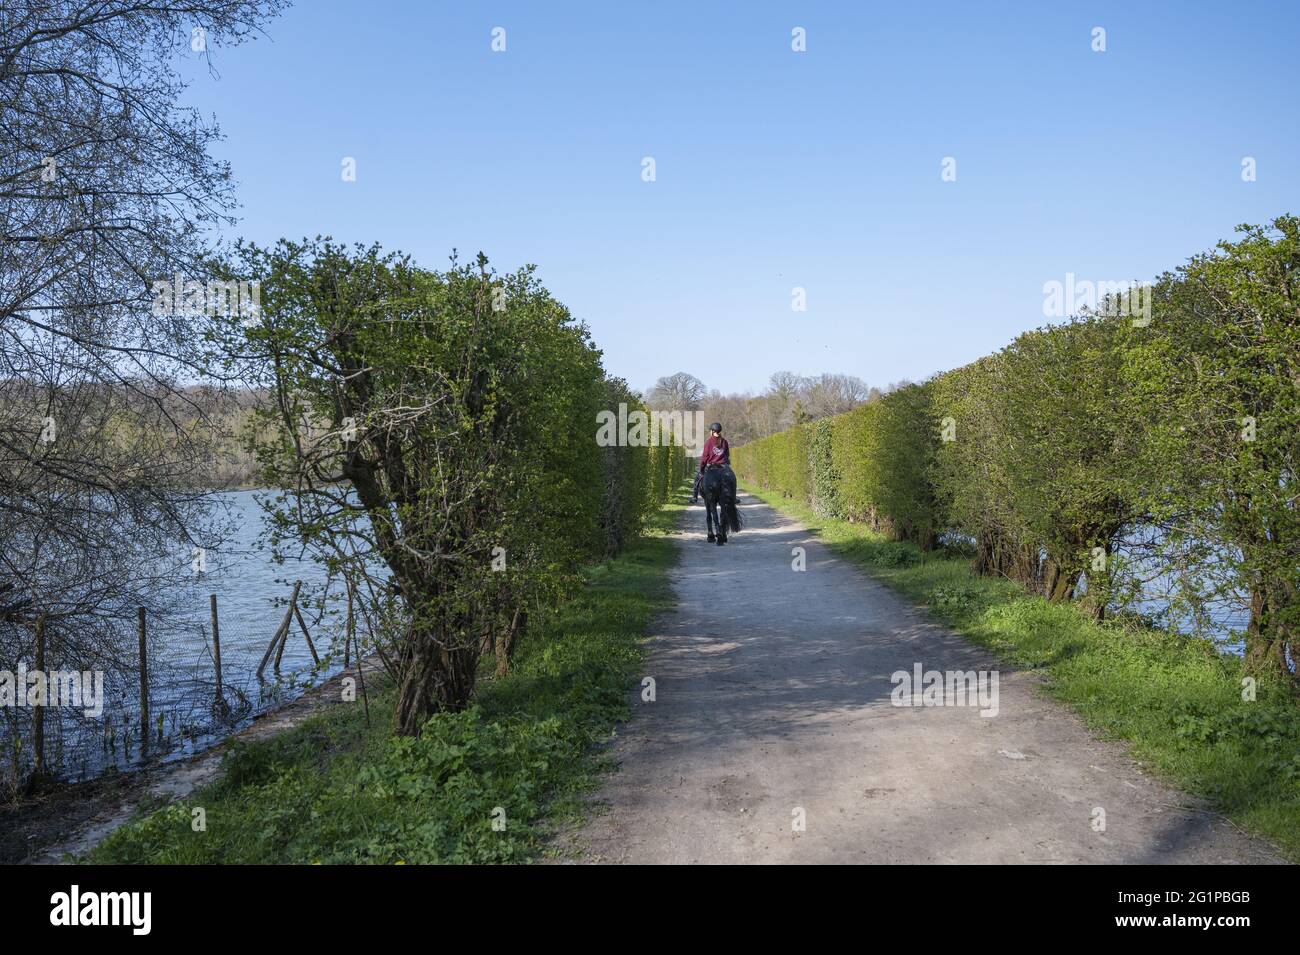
(187, 686)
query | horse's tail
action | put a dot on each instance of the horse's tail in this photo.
(732, 515)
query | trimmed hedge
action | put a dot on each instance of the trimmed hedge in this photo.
(1176, 427)
(868, 465)
(637, 479)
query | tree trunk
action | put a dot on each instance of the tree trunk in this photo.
(1026, 566)
(1099, 583)
(505, 644)
(431, 679)
(1059, 580)
(986, 561)
(1267, 640)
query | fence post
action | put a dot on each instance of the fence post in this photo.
(310, 646)
(347, 634)
(144, 683)
(38, 712)
(281, 634)
(216, 642)
(288, 622)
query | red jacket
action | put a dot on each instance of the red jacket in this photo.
(715, 451)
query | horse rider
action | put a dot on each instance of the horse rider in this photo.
(716, 453)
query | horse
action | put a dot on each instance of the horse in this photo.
(720, 504)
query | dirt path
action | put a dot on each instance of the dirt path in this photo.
(773, 695)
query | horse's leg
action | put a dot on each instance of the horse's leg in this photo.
(709, 515)
(719, 518)
(722, 513)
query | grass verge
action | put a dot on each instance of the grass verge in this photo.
(336, 790)
(1176, 700)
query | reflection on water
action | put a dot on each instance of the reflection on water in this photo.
(252, 591)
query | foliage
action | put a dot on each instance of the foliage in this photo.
(1176, 438)
(433, 439)
(335, 790)
(869, 464)
(823, 478)
(1214, 394)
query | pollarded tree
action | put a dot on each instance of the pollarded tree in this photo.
(1066, 446)
(974, 467)
(627, 477)
(906, 439)
(434, 442)
(823, 478)
(1214, 382)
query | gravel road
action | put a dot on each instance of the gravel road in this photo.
(772, 736)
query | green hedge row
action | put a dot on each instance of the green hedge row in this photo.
(638, 479)
(1171, 427)
(435, 437)
(870, 465)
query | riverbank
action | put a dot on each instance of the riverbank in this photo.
(1176, 701)
(65, 820)
(486, 785)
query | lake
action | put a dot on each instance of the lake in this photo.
(252, 593)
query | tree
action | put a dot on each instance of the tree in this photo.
(1067, 440)
(677, 392)
(1214, 386)
(974, 470)
(731, 410)
(106, 184)
(433, 445)
(828, 394)
(106, 187)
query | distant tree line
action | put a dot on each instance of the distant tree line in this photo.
(788, 400)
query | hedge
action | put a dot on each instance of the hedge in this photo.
(1173, 430)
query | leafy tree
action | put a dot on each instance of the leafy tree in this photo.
(823, 478)
(905, 438)
(434, 444)
(971, 475)
(1214, 385)
(1066, 445)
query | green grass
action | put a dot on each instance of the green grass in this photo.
(1175, 700)
(334, 790)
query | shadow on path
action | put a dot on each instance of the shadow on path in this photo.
(773, 706)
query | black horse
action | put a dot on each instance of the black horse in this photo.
(720, 503)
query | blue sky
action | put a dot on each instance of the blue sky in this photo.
(774, 169)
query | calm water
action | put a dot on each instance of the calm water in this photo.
(252, 589)
(252, 593)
